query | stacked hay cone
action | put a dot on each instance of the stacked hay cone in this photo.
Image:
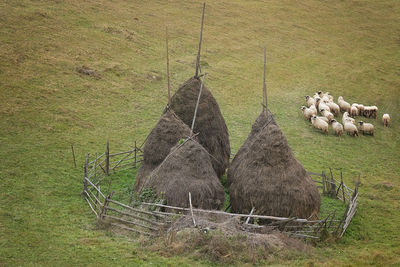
(210, 124)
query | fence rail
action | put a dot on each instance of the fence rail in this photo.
(153, 219)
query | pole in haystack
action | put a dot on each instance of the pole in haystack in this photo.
(264, 83)
(169, 85)
(201, 37)
(197, 104)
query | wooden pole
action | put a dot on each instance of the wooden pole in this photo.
(107, 158)
(197, 104)
(136, 150)
(251, 213)
(191, 209)
(201, 37)
(85, 174)
(169, 85)
(264, 83)
(324, 184)
(73, 154)
(341, 182)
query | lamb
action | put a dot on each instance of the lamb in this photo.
(350, 128)
(344, 106)
(322, 105)
(327, 114)
(386, 120)
(366, 127)
(337, 126)
(354, 110)
(310, 101)
(334, 108)
(320, 124)
(308, 112)
(347, 118)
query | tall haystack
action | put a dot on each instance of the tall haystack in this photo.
(258, 125)
(269, 178)
(210, 124)
(166, 134)
(187, 169)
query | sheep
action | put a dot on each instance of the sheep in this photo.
(347, 118)
(327, 114)
(361, 109)
(322, 105)
(371, 111)
(350, 128)
(366, 128)
(320, 124)
(323, 118)
(344, 106)
(329, 97)
(308, 112)
(309, 100)
(335, 109)
(386, 120)
(354, 110)
(337, 126)
(312, 107)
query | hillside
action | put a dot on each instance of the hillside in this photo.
(349, 48)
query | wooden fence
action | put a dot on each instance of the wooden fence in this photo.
(153, 219)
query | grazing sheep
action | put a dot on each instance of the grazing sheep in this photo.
(329, 97)
(371, 111)
(360, 109)
(323, 118)
(322, 105)
(386, 119)
(307, 112)
(320, 124)
(366, 127)
(310, 101)
(335, 109)
(344, 106)
(354, 110)
(337, 126)
(350, 128)
(327, 114)
(346, 117)
(312, 107)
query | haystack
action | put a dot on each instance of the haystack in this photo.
(210, 124)
(161, 139)
(187, 169)
(269, 178)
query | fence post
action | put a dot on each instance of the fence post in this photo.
(107, 158)
(356, 187)
(85, 175)
(323, 183)
(105, 206)
(135, 153)
(73, 154)
(341, 180)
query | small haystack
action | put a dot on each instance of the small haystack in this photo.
(269, 178)
(187, 169)
(258, 125)
(210, 124)
(166, 134)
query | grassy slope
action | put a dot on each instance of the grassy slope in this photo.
(349, 48)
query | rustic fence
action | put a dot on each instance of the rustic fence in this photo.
(153, 219)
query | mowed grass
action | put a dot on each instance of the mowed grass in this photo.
(349, 48)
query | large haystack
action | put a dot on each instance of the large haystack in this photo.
(187, 169)
(269, 178)
(258, 125)
(161, 139)
(210, 124)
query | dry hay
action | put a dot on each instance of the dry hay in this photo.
(258, 125)
(269, 178)
(187, 169)
(166, 134)
(210, 124)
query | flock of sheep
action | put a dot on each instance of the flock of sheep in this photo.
(324, 104)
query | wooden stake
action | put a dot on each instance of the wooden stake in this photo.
(341, 182)
(197, 104)
(73, 154)
(264, 83)
(169, 86)
(201, 37)
(85, 171)
(107, 158)
(191, 209)
(248, 218)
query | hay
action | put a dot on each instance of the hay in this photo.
(258, 125)
(187, 169)
(269, 178)
(161, 139)
(210, 124)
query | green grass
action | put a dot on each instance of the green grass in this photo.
(349, 48)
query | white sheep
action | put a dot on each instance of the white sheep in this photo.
(327, 114)
(312, 107)
(335, 109)
(323, 118)
(350, 128)
(347, 118)
(360, 109)
(386, 119)
(354, 110)
(320, 124)
(366, 127)
(337, 126)
(344, 106)
(321, 105)
(307, 112)
(310, 101)
(371, 111)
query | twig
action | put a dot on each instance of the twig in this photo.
(169, 86)
(197, 104)
(201, 37)
(73, 154)
(191, 209)
(248, 218)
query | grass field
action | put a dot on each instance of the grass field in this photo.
(349, 48)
